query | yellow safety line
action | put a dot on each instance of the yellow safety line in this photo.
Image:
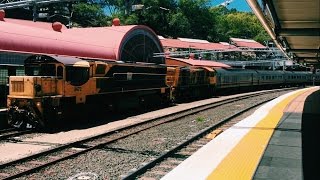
(242, 161)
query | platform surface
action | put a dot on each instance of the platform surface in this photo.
(292, 152)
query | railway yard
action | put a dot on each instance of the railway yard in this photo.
(143, 146)
(122, 100)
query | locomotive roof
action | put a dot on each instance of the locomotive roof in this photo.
(68, 61)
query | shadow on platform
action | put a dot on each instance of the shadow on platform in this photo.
(311, 137)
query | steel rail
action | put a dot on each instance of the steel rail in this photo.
(11, 132)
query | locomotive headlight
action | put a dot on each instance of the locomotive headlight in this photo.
(38, 104)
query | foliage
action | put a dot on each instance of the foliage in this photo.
(201, 21)
(200, 119)
(88, 15)
(238, 24)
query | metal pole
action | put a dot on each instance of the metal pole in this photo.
(34, 15)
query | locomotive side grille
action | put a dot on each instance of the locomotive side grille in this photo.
(17, 86)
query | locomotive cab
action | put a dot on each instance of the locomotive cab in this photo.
(35, 99)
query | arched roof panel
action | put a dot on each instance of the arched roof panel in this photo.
(18, 38)
(37, 24)
(126, 43)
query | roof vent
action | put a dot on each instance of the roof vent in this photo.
(57, 26)
(2, 14)
(116, 22)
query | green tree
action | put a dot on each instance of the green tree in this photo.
(201, 20)
(88, 15)
(155, 14)
(178, 26)
(231, 23)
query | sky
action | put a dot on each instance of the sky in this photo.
(240, 5)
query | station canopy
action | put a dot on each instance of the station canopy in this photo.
(293, 25)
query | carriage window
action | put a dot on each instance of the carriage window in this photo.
(77, 76)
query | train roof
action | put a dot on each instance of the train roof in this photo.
(235, 70)
(193, 62)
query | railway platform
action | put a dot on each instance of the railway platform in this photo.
(278, 141)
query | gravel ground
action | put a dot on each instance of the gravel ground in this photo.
(112, 162)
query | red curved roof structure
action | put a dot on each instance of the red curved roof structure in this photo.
(126, 43)
(129, 43)
(38, 24)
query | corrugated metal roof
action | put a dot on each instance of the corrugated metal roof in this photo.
(193, 40)
(193, 62)
(175, 43)
(248, 43)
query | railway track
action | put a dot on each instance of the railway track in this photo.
(6, 134)
(36, 162)
(163, 164)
